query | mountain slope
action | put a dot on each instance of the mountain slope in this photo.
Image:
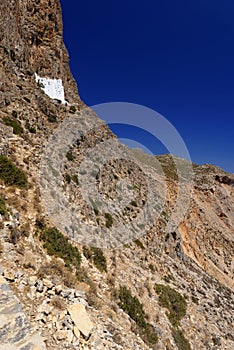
(164, 287)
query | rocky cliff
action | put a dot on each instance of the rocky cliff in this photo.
(31, 42)
(164, 287)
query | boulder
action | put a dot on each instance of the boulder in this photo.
(81, 319)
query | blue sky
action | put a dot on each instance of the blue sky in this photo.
(176, 57)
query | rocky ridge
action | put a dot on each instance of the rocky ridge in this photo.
(57, 294)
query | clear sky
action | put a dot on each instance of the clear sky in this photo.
(176, 57)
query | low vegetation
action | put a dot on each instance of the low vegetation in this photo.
(176, 305)
(30, 128)
(181, 342)
(11, 174)
(59, 246)
(109, 220)
(67, 178)
(56, 269)
(152, 268)
(3, 209)
(75, 179)
(195, 300)
(139, 244)
(72, 109)
(40, 85)
(96, 256)
(15, 124)
(52, 118)
(132, 306)
(70, 156)
(173, 301)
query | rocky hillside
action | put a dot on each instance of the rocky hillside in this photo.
(135, 253)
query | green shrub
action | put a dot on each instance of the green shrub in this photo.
(164, 215)
(40, 85)
(139, 244)
(87, 253)
(152, 267)
(3, 209)
(149, 335)
(96, 256)
(15, 124)
(195, 300)
(99, 259)
(72, 109)
(52, 118)
(181, 342)
(82, 275)
(58, 245)
(30, 128)
(75, 179)
(14, 114)
(70, 156)
(10, 174)
(109, 220)
(134, 203)
(67, 178)
(132, 306)
(173, 301)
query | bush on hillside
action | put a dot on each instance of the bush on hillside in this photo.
(96, 256)
(59, 246)
(3, 210)
(11, 174)
(132, 306)
(181, 342)
(173, 301)
(15, 124)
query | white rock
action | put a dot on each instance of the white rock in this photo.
(51, 292)
(61, 335)
(69, 336)
(32, 280)
(81, 319)
(47, 283)
(80, 294)
(76, 332)
(39, 286)
(33, 290)
(46, 309)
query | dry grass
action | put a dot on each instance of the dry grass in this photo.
(57, 269)
(58, 303)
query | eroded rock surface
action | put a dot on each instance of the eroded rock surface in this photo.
(15, 329)
(70, 299)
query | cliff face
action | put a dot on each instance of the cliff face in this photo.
(165, 289)
(32, 42)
